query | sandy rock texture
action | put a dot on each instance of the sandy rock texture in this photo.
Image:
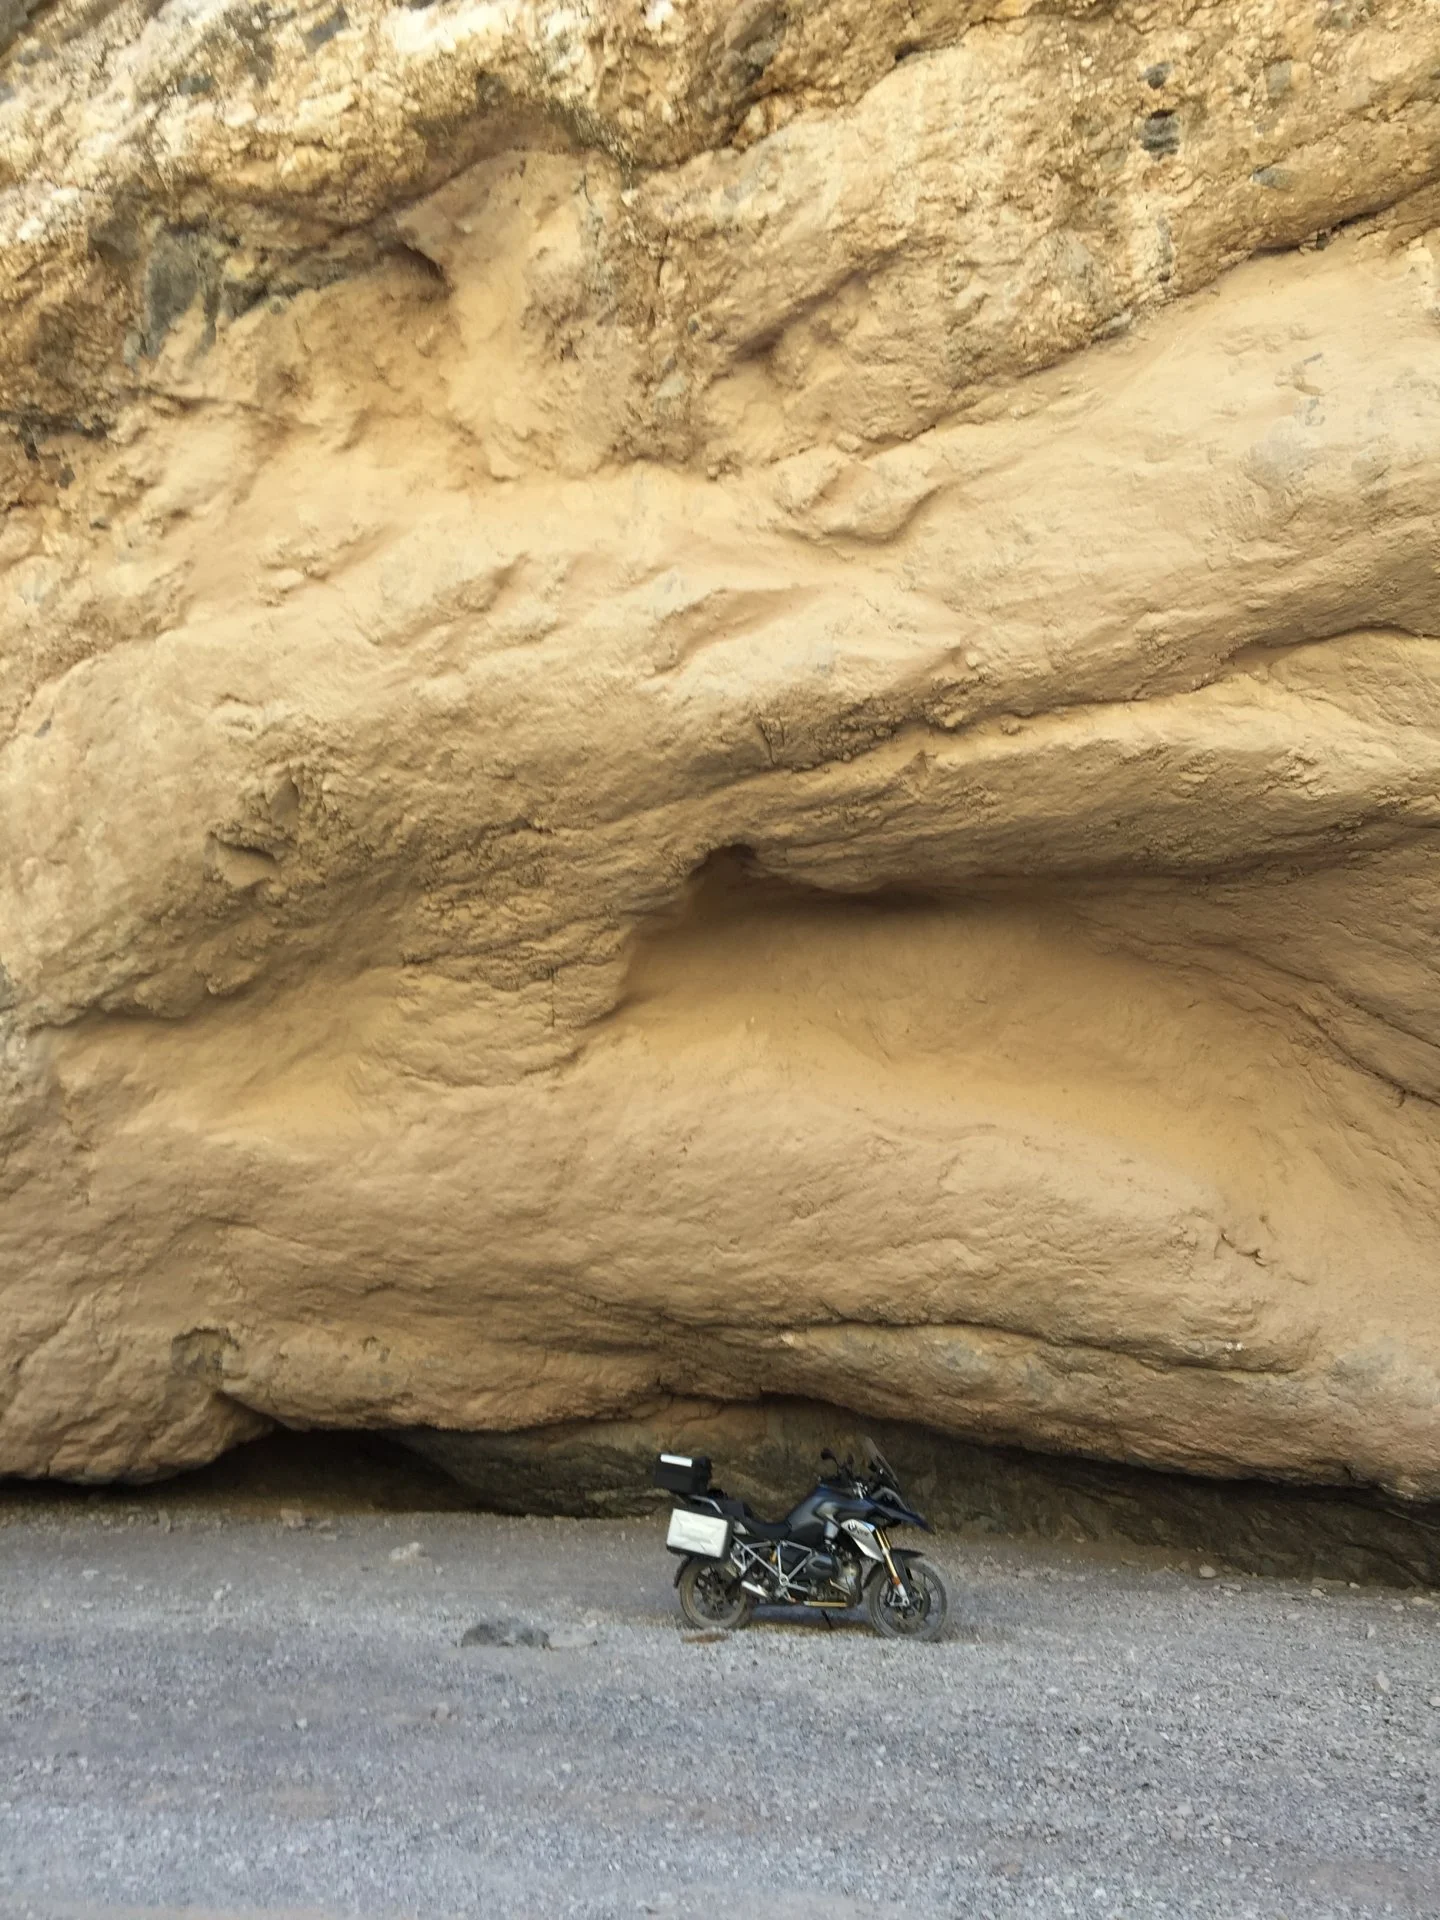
(704, 701)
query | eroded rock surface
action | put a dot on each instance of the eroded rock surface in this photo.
(768, 1454)
(722, 701)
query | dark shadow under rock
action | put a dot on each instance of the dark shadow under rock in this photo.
(768, 1453)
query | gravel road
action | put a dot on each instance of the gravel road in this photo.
(220, 1713)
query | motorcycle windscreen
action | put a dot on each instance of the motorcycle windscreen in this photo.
(701, 1533)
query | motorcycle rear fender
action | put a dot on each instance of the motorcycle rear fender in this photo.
(685, 1559)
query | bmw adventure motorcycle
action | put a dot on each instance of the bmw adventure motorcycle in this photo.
(833, 1551)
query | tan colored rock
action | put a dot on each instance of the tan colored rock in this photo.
(702, 703)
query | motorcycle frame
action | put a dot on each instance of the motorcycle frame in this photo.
(776, 1586)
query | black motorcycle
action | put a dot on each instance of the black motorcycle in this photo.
(833, 1551)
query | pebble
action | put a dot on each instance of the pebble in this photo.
(1207, 1572)
(570, 1639)
(504, 1633)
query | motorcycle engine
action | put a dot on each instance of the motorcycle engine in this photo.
(841, 1571)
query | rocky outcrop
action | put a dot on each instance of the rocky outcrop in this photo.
(768, 1454)
(722, 702)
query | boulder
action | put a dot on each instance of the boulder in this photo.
(720, 702)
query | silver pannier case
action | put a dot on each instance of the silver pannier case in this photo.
(701, 1533)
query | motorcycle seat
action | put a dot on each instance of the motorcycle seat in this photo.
(762, 1529)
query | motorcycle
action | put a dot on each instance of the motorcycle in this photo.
(831, 1552)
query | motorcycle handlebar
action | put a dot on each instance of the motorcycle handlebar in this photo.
(878, 1474)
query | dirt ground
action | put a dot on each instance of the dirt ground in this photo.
(228, 1705)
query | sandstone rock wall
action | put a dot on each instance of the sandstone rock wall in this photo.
(722, 701)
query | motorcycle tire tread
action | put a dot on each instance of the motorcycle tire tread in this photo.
(693, 1611)
(890, 1625)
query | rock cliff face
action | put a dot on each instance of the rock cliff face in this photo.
(708, 701)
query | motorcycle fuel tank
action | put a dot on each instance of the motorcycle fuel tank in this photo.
(815, 1513)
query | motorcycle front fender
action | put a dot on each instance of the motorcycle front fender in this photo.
(901, 1556)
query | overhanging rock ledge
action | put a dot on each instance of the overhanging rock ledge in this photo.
(722, 701)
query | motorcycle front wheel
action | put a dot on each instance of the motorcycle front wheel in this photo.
(711, 1597)
(919, 1615)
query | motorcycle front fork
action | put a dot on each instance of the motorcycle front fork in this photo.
(890, 1567)
(897, 1579)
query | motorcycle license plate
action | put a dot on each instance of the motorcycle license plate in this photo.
(698, 1533)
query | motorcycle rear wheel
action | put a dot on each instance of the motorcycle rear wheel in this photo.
(925, 1618)
(711, 1598)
